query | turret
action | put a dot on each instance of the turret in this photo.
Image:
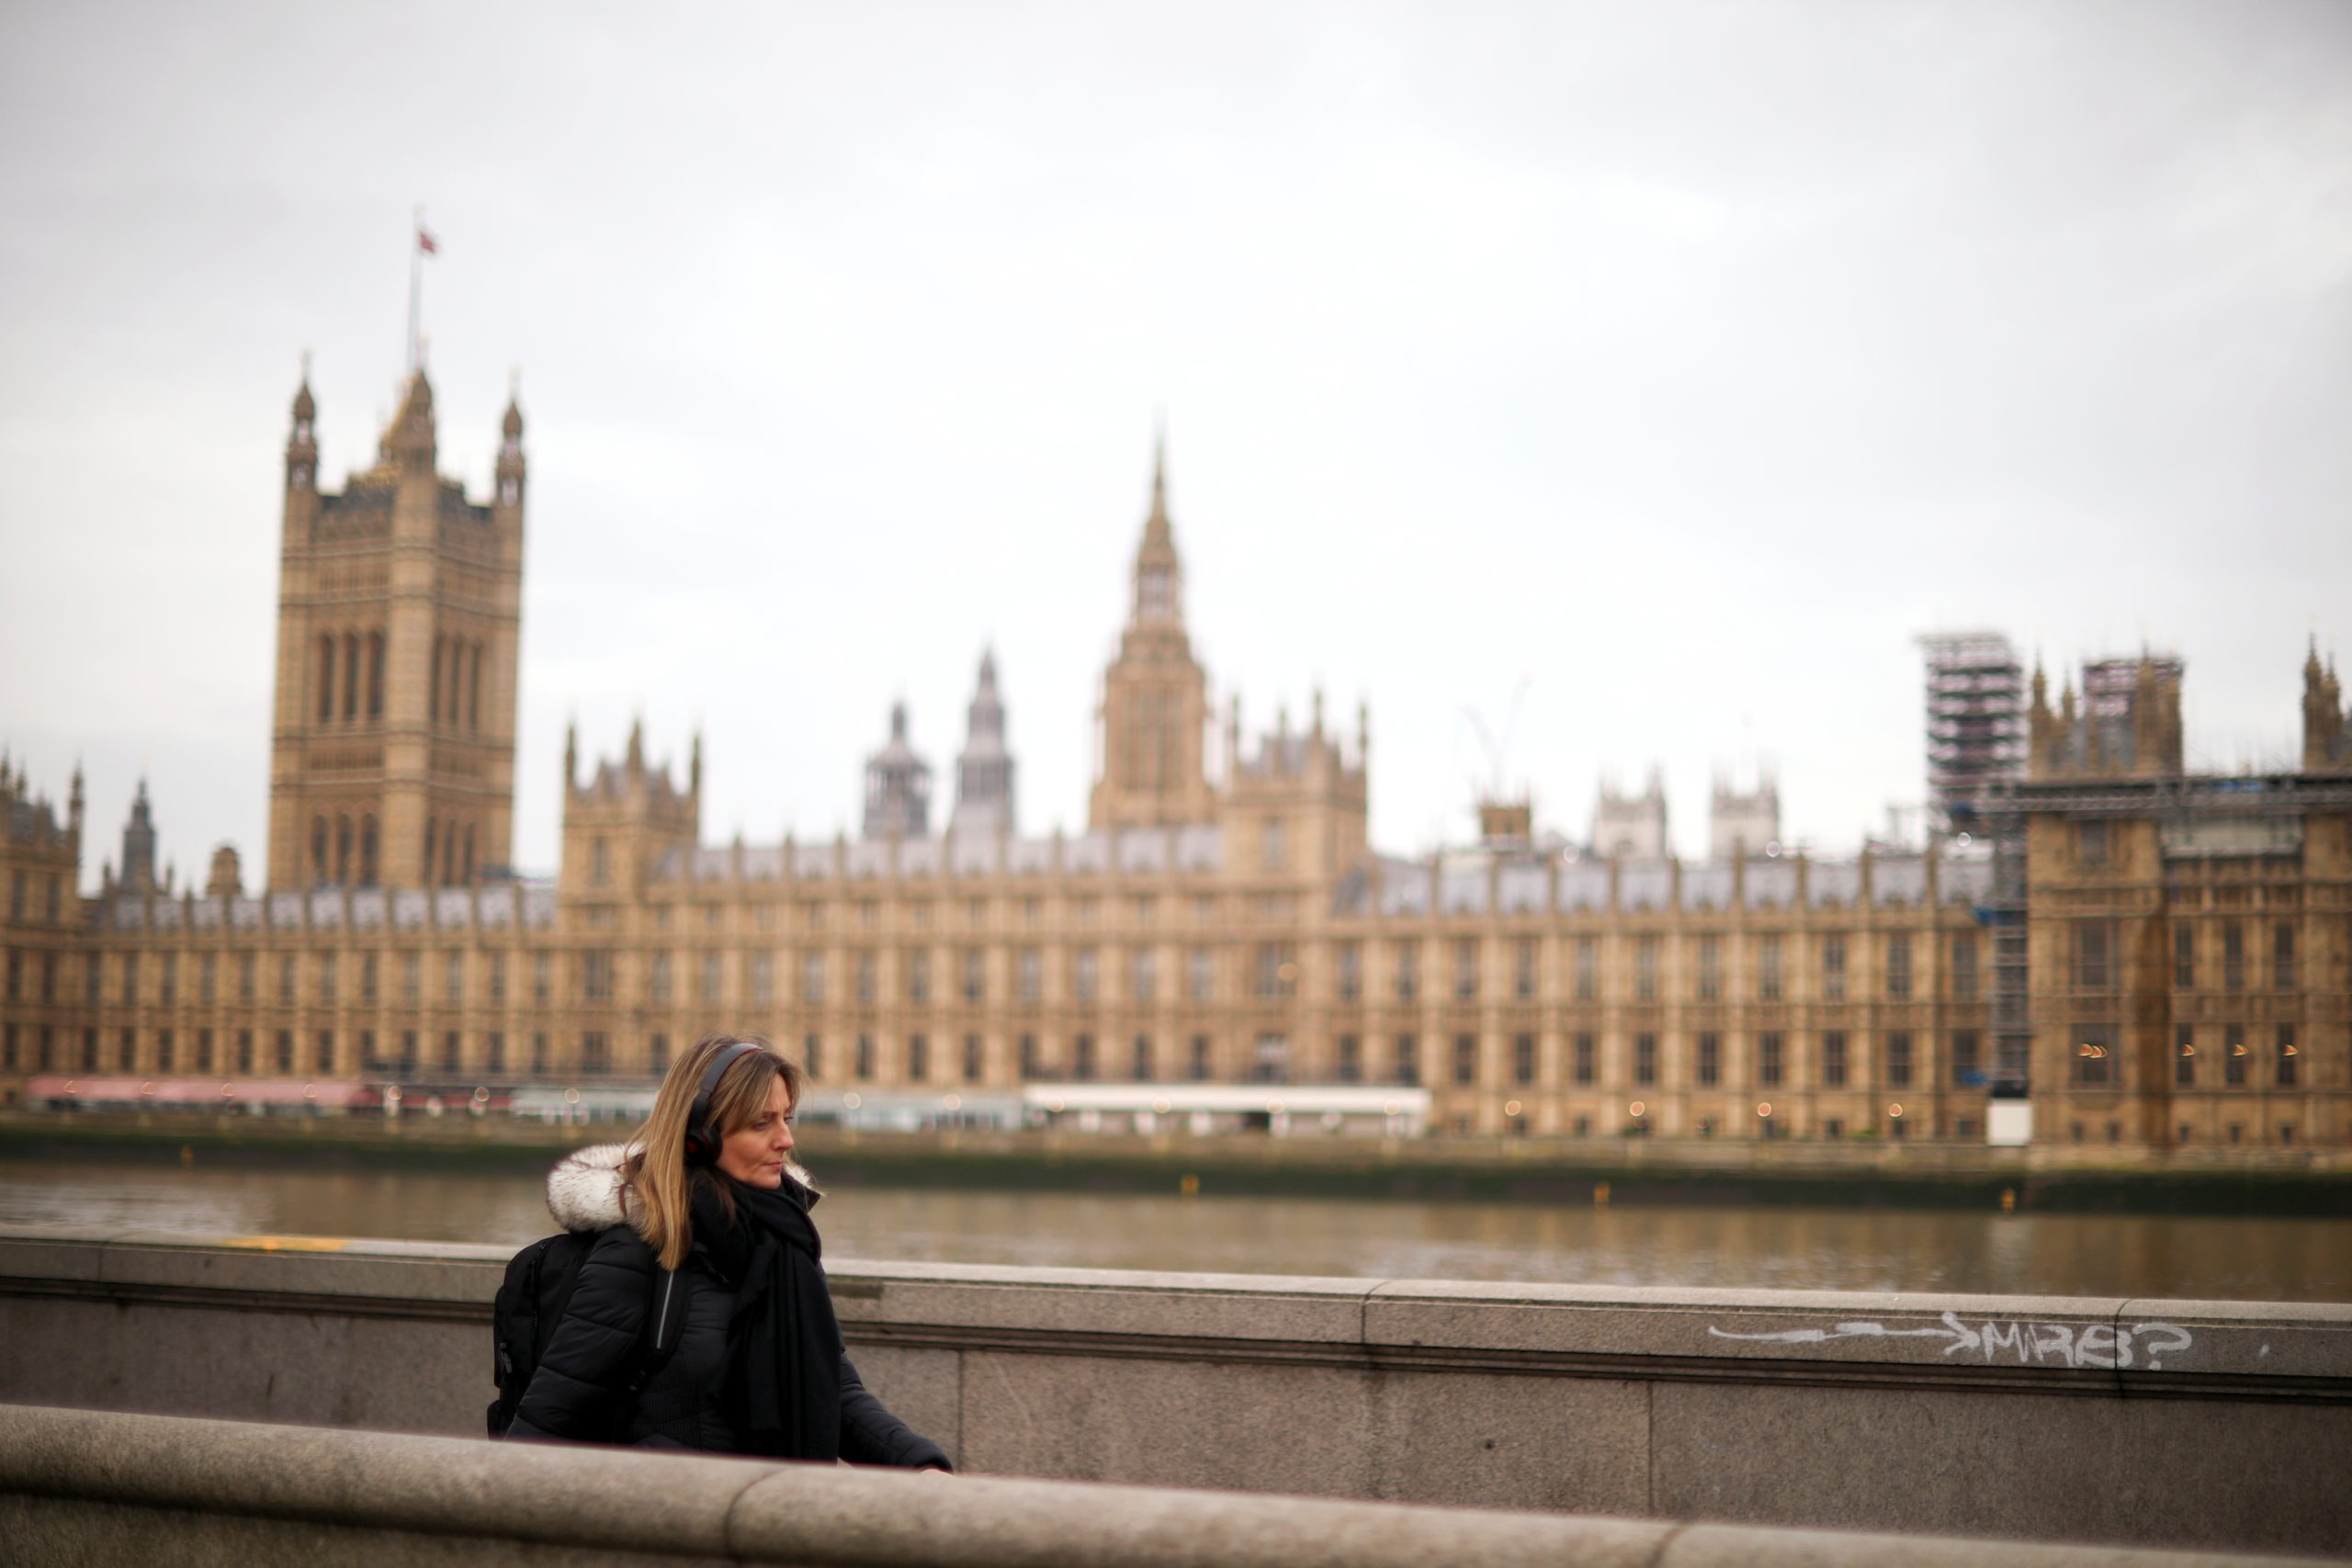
(139, 845)
(512, 469)
(302, 440)
(2327, 727)
(898, 785)
(984, 796)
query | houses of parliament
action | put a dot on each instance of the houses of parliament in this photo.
(2150, 959)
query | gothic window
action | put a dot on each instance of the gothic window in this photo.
(1140, 978)
(1833, 1059)
(1405, 1066)
(319, 848)
(1898, 1060)
(433, 689)
(374, 675)
(1767, 969)
(974, 1060)
(1769, 1063)
(343, 848)
(1276, 970)
(326, 678)
(1271, 1059)
(1898, 966)
(470, 852)
(432, 845)
(351, 675)
(1200, 974)
(1966, 1048)
(368, 852)
(1140, 1064)
(473, 690)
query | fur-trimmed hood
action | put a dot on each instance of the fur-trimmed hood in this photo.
(584, 1188)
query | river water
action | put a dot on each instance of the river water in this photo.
(1861, 1249)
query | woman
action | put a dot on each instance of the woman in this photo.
(701, 1318)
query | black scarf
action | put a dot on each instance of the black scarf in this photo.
(786, 1378)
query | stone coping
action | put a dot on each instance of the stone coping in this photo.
(74, 1480)
(2049, 1343)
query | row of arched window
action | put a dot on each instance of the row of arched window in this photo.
(448, 854)
(457, 683)
(351, 676)
(343, 852)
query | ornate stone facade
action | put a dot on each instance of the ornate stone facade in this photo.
(1233, 926)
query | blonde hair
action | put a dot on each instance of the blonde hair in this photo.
(658, 1185)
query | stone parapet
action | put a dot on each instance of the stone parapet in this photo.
(82, 1486)
(2219, 1424)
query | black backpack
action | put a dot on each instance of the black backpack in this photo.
(532, 1301)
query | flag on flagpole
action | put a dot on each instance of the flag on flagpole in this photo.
(427, 242)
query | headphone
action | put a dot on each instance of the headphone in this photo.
(702, 1138)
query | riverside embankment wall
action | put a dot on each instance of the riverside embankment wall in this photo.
(86, 1486)
(2205, 1179)
(2163, 1423)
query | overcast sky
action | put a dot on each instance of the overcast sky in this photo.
(1681, 362)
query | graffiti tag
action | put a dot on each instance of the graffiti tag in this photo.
(2098, 1345)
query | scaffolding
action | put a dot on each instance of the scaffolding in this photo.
(1976, 714)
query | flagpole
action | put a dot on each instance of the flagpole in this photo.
(415, 288)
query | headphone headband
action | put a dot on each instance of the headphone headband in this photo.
(702, 1139)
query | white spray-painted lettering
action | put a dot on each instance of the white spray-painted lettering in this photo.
(2098, 1345)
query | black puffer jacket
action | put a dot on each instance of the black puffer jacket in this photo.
(579, 1386)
